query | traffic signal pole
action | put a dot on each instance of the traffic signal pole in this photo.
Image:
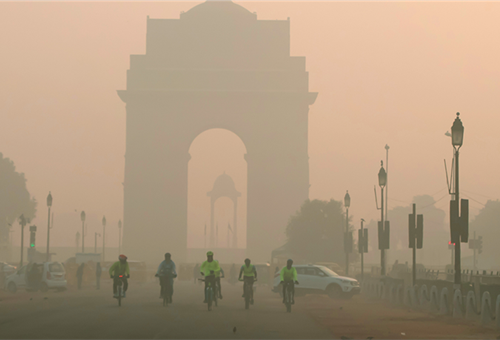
(414, 269)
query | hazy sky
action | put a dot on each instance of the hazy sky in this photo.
(386, 73)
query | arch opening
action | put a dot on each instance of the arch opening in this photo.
(215, 154)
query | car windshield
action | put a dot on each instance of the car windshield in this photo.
(328, 271)
(56, 268)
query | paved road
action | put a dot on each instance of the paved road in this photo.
(95, 314)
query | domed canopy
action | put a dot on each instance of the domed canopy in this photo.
(217, 9)
(224, 187)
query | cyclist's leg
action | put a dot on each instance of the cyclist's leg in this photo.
(115, 290)
(205, 291)
(292, 287)
(171, 287)
(161, 286)
(284, 291)
(125, 285)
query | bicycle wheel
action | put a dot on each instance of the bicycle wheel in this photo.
(165, 298)
(119, 296)
(289, 301)
(214, 294)
(247, 296)
(209, 298)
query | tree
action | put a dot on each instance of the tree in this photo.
(487, 224)
(316, 232)
(14, 198)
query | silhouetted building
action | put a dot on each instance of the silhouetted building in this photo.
(215, 67)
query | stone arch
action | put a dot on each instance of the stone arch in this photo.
(216, 66)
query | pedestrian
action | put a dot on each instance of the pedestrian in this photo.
(79, 276)
(196, 272)
(98, 271)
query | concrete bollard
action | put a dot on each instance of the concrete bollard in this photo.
(434, 303)
(486, 316)
(443, 301)
(471, 306)
(423, 296)
(457, 304)
(497, 312)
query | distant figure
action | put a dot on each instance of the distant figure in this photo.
(79, 276)
(98, 271)
(196, 272)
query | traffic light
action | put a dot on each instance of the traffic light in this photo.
(32, 236)
(383, 235)
(479, 244)
(363, 241)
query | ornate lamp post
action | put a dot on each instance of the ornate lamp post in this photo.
(49, 205)
(347, 204)
(82, 217)
(103, 237)
(457, 139)
(382, 181)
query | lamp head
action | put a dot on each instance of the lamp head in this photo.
(82, 216)
(347, 200)
(49, 200)
(104, 220)
(382, 176)
(457, 132)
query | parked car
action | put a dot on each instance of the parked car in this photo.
(53, 276)
(314, 279)
(5, 270)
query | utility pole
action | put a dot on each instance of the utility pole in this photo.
(416, 237)
(362, 246)
(22, 222)
(49, 205)
(103, 238)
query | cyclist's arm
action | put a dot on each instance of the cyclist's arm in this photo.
(159, 268)
(241, 272)
(255, 272)
(282, 274)
(112, 269)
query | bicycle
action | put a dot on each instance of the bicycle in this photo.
(210, 291)
(166, 290)
(248, 292)
(119, 289)
(288, 295)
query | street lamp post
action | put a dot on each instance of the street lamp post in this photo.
(347, 204)
(95, 242)
(362, 241)
(120, 236)
(382, 181)
(82, 216)
(22, 222)
(103, 237)
(49, 205)
(457, 138)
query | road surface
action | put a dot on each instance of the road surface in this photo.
(95, 314)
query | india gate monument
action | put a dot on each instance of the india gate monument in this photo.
(217, 66)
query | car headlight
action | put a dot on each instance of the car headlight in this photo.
(354, 283)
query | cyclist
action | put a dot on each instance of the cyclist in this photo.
(209, 268)
(249, 275)
(218, 276)
(120, 268)
(166, 271)
(288, 274)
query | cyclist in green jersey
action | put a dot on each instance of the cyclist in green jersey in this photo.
(249, 275)
(288, 274)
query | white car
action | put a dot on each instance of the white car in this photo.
(53, 276)
(320, 280)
